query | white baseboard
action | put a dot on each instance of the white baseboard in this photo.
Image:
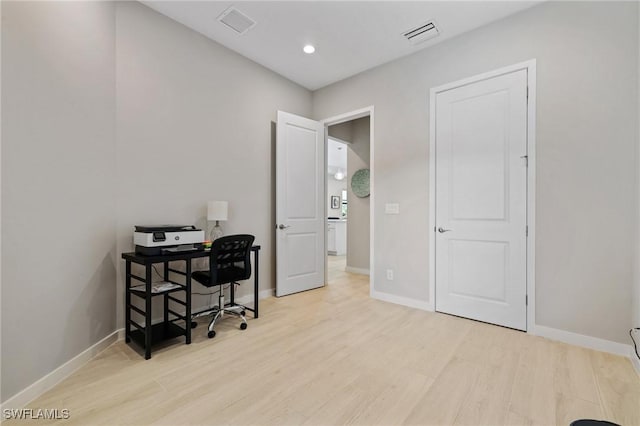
(33, 391)
(262, 294)
(576, 339)
(361, 271)
(399, 300)
(247, 298)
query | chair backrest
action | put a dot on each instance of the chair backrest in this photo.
(230, 258)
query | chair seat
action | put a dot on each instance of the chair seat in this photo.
(225, 276)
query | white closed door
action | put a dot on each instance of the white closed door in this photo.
(300, 227)
(481, 196)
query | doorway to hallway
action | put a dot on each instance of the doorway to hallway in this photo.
(348, 198)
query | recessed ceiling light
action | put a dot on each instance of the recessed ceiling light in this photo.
(309, 49)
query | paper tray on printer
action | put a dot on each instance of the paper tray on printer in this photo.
(164, 228)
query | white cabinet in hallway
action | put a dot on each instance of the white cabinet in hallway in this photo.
(337, 237)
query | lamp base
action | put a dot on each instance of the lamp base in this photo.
(216, 232)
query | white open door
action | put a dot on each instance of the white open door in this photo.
(300, 204)
(481, 200)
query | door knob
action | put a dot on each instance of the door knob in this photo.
(442, 230)
(281, 226)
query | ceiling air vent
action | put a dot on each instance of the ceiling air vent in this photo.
(236, 20)
(422, 33)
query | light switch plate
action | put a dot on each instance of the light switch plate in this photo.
(392, 208)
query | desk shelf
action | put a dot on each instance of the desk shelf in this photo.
(159, 332)
(141, 290)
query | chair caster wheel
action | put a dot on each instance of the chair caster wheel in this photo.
(243, 313)
(211, 334)
(243, 326)
(194, 324)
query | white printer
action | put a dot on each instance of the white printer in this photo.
(164, 239)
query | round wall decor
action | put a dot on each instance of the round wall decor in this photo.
(360, 183)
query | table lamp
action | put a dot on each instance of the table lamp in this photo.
(217, 210)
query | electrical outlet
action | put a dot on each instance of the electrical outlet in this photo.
(390, 274)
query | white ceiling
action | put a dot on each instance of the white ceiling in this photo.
(349, 36)
(336, 157)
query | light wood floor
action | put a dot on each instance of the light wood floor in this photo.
(335, 356)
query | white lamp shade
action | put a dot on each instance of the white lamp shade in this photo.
(217, 210)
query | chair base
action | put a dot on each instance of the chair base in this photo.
(237, 310)
(218, 314)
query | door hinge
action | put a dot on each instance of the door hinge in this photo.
(526, 160)
(526, 231)
(526, 300)
(527, 92)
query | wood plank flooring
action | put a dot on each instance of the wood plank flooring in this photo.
(335, 356)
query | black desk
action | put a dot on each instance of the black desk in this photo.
(146, 336)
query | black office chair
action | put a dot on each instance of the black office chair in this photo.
(229, 263)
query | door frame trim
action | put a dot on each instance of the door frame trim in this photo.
(530, 67)
(331, 121)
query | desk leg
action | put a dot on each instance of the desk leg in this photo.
(147, 314)
(255, 285)
(166, 299)
(187, 299)
(127, 302)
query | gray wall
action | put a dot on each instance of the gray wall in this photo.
(342, 131)
(586, 136)
(194, 124)
(358, 230)
(58, 181)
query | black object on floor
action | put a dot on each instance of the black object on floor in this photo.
(590, 422)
